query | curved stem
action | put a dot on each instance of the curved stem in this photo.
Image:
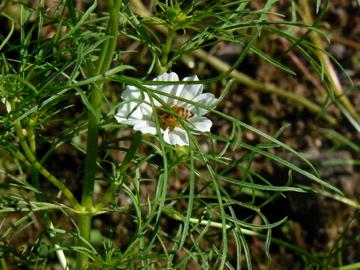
(39, 167)
(40, 198)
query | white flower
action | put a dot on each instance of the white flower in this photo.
(139, 113)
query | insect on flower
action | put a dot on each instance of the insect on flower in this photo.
(182, 112)
(169, 120)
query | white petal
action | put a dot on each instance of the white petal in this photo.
(169, 89)
(146, 110)
(176, 136)
(207, 99)
(200, 123)
(140, 121)
(131, 122)
(172, 76)
(190, 91)
(139, 118)
(131, 92)
(146, 127)
(125, 111)
(192, 78)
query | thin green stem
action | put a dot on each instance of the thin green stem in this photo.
(347, 267)
(166, 51)
(40, 198)
(105, 59)
(31, 139)
(37, 166)
(3, 262)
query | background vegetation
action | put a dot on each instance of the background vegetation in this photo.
(274, 186)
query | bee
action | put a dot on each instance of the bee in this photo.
(168, 120)
(182, 112)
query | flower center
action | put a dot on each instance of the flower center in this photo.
(168, 120)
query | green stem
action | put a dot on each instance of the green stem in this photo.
(166, 51)
(40, 198)
(105, 59)
(3, 262)
(37, 166)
